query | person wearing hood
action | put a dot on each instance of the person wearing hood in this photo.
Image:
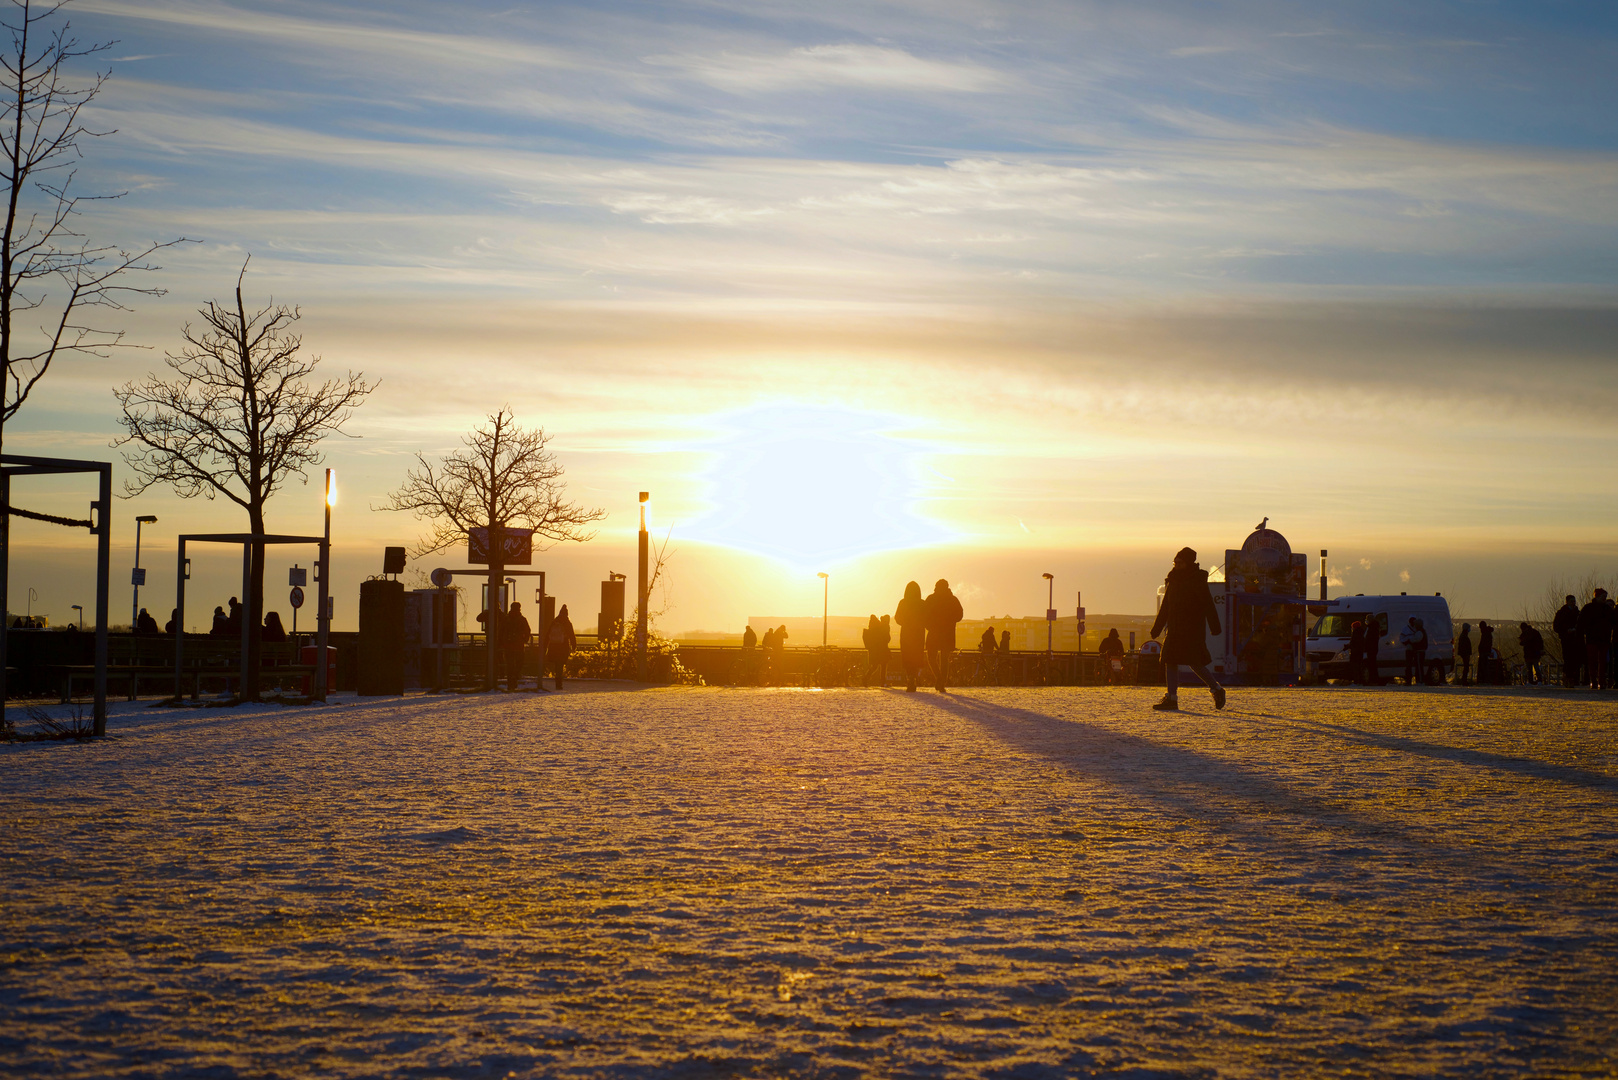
(1187, 607)
(943, 612)
(1566, 628)
(514, 633)
(911, 615)
(1112, 656)
(560, 641)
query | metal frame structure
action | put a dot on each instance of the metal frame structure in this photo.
(491, 637)
(100, 527)
(247, 540)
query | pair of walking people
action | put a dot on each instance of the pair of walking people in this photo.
(927, 632)
(558, 645)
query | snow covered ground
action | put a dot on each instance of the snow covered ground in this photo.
(696, 881)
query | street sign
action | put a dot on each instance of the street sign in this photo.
(297, 598)
(298, 575)
(137, 576)
(516, 546)
(443, 578)
(1050, 614)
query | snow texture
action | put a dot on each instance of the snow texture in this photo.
(1015, 883)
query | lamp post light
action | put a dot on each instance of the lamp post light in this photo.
(1050, 619)
(640, 615)
(80, 609)
(323, 596)
(825, 606)
(137, 577)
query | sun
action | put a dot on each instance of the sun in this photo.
(812, 486)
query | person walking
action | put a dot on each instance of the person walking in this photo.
(560, 642)
(1187, 607)
(1532, 643)
(514, 634)
(1595, 626)
(1566, 628)
(911, 615)
(747, 666)
(876, 636)
(1111, 652)
(1463, 654)
(988, 650)
(1485, 653)
(943, 612)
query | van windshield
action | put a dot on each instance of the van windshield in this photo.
(1336, 625)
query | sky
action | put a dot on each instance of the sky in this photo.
(896, 290)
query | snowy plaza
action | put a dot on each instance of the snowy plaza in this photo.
(614, 881)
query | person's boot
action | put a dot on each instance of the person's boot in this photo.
(1219, 695)
(1170, 703)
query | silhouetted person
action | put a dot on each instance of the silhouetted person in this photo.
(173, 625)
(274, 633)
(1463, 654)
(1595, 626)
(1112, 656)
(1356, 651)
(560, 642)
(766, 656)
(233, 621)
(221, 623)
(145, 625)
(943, 612)
(1533, 650)
(1414, 638)
(747, 666)
(779, 665)
(988, 650)
(1485, 652)
(876, 636)
(1566, 628)
(514, 633)
(911, 615)
(1187, 607)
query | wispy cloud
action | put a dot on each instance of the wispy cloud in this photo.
(843, 65)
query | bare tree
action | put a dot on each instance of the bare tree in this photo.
(505, 478)
(47, 268)
(238, 415)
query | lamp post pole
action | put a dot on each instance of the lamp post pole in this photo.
(640, 616)
(135, 579)
(825, 606)
(80, 609)
(1050, 620)
(323, 597)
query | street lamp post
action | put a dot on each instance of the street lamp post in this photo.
(1050, 620)
(640, 615)
(80, 609)
(137, 577)
(323, 597)
(825, 606)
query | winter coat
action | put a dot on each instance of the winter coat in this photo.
(943, 612)
(1187, 607)
(911, 616)
(1533, 644)
(560, 642)
(514, 632)
(1567, 620)
(1595, 623)
(1112, 645)
(749, 638)
(1463, 645)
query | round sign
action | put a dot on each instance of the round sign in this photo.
(297, 597)
(443, 578)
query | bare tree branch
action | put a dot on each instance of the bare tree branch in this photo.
(237, 415)
(505, 477)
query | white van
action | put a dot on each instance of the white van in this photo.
(1327, 644)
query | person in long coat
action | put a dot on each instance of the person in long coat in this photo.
(876, 638)
(1187, 607)
(560, 641)
(911, 616)
(943, 612)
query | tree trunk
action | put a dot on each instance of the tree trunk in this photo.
(254, 612)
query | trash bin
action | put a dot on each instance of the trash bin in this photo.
(307, 655)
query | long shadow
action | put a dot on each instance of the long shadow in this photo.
(1540, 770)
(1195, 785)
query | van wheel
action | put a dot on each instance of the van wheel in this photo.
(1435, 674)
